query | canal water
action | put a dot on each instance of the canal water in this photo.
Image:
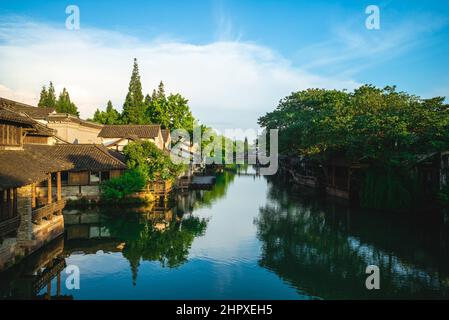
(250, 237)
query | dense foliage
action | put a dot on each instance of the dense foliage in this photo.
(47, 97)
(62, 105)
(385, 129)
(110, 116)
(153, 162)
(375, 125)
(117, 189)
(171, 112)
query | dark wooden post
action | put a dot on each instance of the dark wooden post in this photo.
(8, 199)
(58, 288)
(14, 204)
(49, 193)
(33, 195)
(58, 185)
(49, 289)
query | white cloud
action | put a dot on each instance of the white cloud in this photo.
(227, 83)
(352, 49)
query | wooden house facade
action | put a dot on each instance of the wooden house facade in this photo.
(25, 223)
(91, 165)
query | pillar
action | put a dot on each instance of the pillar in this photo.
(49, 195)
(49, 290)
(24, 210)
(33, 195)
(58, 186)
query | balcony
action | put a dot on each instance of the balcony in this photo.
(46, 212)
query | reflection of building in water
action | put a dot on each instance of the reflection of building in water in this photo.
(32, 279)
(84, 225)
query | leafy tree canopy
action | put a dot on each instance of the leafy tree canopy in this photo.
(65, 105)
(152, 161)
(382, 126)
(110, 116)
(47, 97)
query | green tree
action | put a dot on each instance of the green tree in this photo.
(43, 97)
(65, 105)
(134, 106)
(380, 126)
(157, 107)
(383, 128)
(154, 163)
(172, 112)
(110, 116)
(47, 97)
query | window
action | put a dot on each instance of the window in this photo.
(94, 177)
(105, 176)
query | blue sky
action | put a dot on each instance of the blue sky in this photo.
(233, 59)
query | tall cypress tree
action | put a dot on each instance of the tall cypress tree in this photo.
(47, 97)
(43, 97)
(51, 96)
(134, 106)
(65, 105)
(160, 91)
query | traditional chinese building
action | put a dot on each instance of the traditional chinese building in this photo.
(91, 165)
(26, 222)
(116, 137)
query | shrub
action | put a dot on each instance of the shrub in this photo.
(117, 189)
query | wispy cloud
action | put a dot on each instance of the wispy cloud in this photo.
(226, 82)
(225, 28)
(352, 48)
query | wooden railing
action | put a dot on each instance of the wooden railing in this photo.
(160, 187)
(9, 226)
(49, 273)
(46, 212)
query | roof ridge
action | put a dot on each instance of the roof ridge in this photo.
(17, 102)
(131, 124)
(103, 149)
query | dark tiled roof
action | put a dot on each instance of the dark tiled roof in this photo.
(9, 114)
(33, 112)
(84, 157)
(165, 134)
(130, 130)
(6, 114)
(118, 155)
(22, 167)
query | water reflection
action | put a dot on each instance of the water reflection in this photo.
(247, 238)
(38, 277)
(162, 233)
(323, 249)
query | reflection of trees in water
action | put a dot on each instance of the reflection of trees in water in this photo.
(324, 250)
(166, 238)
(169, 246)
(205, 198)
